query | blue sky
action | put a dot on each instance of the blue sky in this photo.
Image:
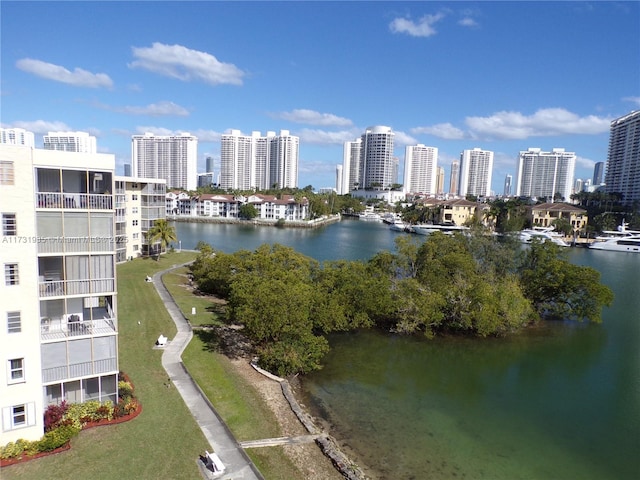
(502, 76)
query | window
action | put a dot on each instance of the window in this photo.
(16, 370)
(135, 223)
(134, 197)
(134, 210)
(14, 324)
(18, 416)
(9, 226)
(6, 173)
(11, 274)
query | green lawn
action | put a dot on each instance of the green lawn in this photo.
(207, 311)
(164, 441)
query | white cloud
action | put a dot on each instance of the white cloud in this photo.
(311, 117)
(207, 136)
(441, 130)
(422, 28)
(544, 122)
(322, 137)
(160, 131)
(41, 126)
(585, 162)
(467, 22)
(78, 78)
(635, 100)
(180, 62)
(402, 139)
(154, 109)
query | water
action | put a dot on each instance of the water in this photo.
(561, 401)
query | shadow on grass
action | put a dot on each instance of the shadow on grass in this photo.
(228, 340)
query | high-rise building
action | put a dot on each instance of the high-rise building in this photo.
(127, 169)
(339, 181)
(623, 162)
(454, 177)
(70, 142)
(476, 167)
(254, 161)
(59, 314)
(598, 173)
(545, 174)
(508, 180)
(209, 165)
(17, 136)
(168, 157)
(578, 185)
(351, 165)
(376, 158)
(420, 169)
(440, 181)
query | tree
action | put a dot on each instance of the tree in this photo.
(161, 232)
(247, 211)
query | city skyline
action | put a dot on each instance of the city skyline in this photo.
(453, 75)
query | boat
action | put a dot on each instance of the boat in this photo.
(629, 243)
(427, 229)
(543, 234)
(399, 226)
(621, 232)
(370, 217)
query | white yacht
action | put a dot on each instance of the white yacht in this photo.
(621, 232)
(542, 234)
(399, 226)
(629, 243)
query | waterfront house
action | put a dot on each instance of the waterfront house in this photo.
(544, 214)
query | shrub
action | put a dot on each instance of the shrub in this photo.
(57, 437)
(53, 415)
(125, 389)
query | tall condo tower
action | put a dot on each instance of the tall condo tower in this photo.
(339, 181)
(623, 162)
(254, 161)
(172, 158)
(351, 165)
(17, 136)
(508, 181)
(440, 181)
(70, 142)
(598, 173)
(420, 169)
(454, 177)
(545, 174)
(376, 158)
(476, 167)
(58, 303)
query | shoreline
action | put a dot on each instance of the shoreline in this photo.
(319, 222)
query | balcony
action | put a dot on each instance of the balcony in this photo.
(98, 320)
(82, 369)
(86, 201)
(57, 288)
(61, 245)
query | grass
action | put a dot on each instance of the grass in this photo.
(164, 441)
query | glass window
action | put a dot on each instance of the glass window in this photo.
(49, 224)
(16, 370)
(6, 173)
(11, 274)
(18, 415)
(53, 394)
(14, 324)
(9, 225)
(91, 389)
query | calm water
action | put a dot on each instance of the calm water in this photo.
(558, 402)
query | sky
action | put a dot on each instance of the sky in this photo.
(502, 76)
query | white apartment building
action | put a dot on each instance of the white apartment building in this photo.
(339, 180)
(172, 158)
(17, 136)
(139, 203)
(58, 314)
(351, 165)
(623, 161)
(545, 174)
(80, 142)
(249, 162)
(476, 167)
(420, 169)
(376, 158)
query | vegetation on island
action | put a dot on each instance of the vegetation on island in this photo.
(461, 284)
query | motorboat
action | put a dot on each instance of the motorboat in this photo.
(622, 232)
(529, 235)
(399, 226)
(628, 243)
(427, 229)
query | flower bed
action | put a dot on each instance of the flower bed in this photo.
(62, 422)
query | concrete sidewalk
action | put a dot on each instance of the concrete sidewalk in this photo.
(237, 463)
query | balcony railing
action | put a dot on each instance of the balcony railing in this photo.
(74, 370)
(56, 288)
(56, 329)
(75, 244)
(74, 200)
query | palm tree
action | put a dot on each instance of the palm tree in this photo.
(162, 232)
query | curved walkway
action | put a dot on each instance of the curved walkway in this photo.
(237, 463)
